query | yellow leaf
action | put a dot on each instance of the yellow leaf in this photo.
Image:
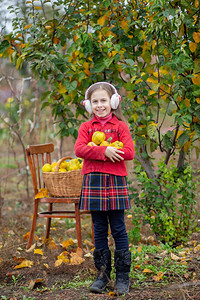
(38, 251)
(102, 20)
(158, 277)
(151, 92)
(139, 80)
(111, 294)
(47, 266)
(38, 7)
(58, 262)
(196, 3)
(136, 267)
(147, 271)
(197, 248)
(187, 102)
(52, 245)
(76, 259)
(24, 264)
(152, 80)
(64, 256)
(68, 243)
(198, 100)
(42, 193)
(196, 79)
(26, 235)
(193, 47)
(28, 26)
(124, 24)
(139, 249)
(196, 37)
(62, 89)
(155, 74)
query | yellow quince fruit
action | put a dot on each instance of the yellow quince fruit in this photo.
(62, 170)
(46, 168)
(98, 137)
(117, 144)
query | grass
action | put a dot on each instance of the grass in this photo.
(158, 264)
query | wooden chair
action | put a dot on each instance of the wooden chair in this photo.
(37, 156)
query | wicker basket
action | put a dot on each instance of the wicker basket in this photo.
(63, 184)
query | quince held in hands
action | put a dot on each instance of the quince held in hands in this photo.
(117, 144)
(98, 137)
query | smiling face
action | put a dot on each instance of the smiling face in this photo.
(100, 101)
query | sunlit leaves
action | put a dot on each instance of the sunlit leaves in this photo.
(24, 264)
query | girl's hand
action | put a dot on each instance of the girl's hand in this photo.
(114, 154)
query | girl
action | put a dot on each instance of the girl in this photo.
(104, 190)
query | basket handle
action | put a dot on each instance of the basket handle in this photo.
(61, 160)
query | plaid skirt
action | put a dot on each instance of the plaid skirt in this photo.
(102, 191)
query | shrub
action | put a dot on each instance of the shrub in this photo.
(168, 202)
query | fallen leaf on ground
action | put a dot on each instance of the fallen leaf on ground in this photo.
(111, 294)
(136, 267)
(52, 245)
(58, 262)
(76, 259)
(19, 259)
(14, 273)
(158, 277)
(47, 266)
(26, 235)
(64, 256)
(24, 264)
(32, 283)
(197, 248)
(88, 255)
(175, 257)
(38, 251)
(68, 243)
(147, 271)
(31, 248)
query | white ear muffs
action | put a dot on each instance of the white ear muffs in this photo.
(88, 106)
(114, 101)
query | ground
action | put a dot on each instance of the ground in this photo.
(45, 278)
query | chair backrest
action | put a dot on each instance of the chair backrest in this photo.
(38, 155)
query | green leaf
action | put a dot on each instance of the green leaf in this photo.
(183, 138)
(197, 129)
(4, 45)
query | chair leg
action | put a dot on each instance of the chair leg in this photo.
(48, 224)
(78, 225)
(34, 221)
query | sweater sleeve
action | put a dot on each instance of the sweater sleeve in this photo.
(126, 139)
(84, 151)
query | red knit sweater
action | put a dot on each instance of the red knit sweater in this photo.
(94, 157)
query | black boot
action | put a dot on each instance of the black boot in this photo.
(102, 261)
(122, 266)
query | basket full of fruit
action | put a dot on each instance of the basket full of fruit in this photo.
(63, 178)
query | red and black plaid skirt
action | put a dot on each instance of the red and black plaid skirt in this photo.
(104, 192)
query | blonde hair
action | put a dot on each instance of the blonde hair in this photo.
(109, 89)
